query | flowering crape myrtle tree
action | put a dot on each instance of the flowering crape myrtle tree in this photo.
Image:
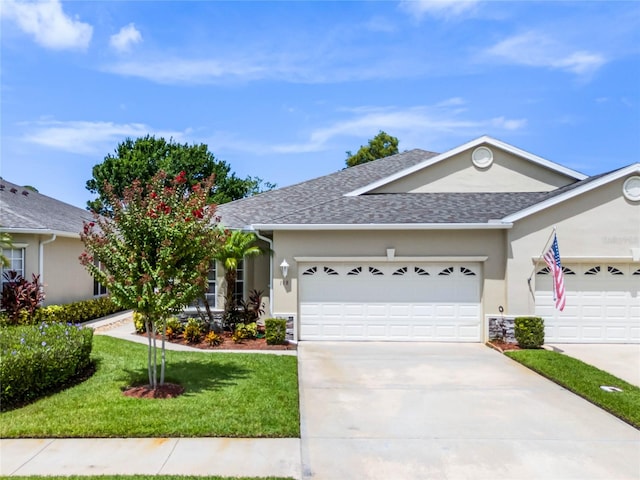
(154, 253)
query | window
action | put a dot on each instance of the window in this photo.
(355, 271)
(330, 271)
(238, 289)
(16, 261)
(98, 288)
(210, 293)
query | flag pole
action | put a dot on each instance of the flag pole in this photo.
(535, 264)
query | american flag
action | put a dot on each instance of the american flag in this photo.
(552, 258)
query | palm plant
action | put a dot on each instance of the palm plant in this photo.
(237, 246)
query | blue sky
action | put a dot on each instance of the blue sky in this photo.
(281, 90)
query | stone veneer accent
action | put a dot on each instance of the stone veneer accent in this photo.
(502, 328)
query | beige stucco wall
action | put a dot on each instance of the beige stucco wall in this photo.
(507, 173)
(65, 280)
(354, 244)
(600, 224)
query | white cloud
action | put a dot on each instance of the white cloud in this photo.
(438, 8)
(125, 38)
(413, 126)
(48, 24)
(85, 137)
(198, 71)
(537, 50)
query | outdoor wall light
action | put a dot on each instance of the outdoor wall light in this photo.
(284, 266)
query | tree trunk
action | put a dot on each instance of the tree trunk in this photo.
(149, 328)
(162, 363)
(154, 384)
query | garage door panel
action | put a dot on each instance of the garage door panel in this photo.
(602, 305)
(391, 302)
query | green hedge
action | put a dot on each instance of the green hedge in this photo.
(275, 331)
(76, 312)
(529, 331)
(38, 359)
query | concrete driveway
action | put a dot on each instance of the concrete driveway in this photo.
(449, 411)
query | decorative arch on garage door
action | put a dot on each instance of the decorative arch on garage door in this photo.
(409, 301)
(603, 304)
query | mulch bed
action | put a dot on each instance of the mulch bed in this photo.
(229, 344)
(503, 346)
(168, 390)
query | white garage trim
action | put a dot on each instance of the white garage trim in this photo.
(390, 301)
(602, 306)
(466, 259)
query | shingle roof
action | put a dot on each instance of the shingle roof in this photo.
(285, 201)
(407, 208)
(322, 201)
(24, 209)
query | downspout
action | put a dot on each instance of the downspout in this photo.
(270, 242)
(41, 257)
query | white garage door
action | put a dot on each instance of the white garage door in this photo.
(603, 304)
(408, 302)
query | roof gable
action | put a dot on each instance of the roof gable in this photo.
(573, 191)
(511, 170)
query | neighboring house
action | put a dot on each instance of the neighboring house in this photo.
(46, 241)
(424, 246)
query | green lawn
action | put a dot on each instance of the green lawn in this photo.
(227, 395)
(584, 380)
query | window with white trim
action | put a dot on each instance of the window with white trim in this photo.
(16, 262)
(238, 289)
(210, 292)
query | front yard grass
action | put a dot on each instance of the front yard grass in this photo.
(584, 380)
(227, 395)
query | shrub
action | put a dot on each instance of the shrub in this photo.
(245, 331)
(275, 331)
(193, 331)
(76, 312)
(38, 359)
(138, 323)
(529, 332)
(20, 298)
(174, 325)
(213, 339)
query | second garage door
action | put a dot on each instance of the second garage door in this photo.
(603, 304)
(404, 302)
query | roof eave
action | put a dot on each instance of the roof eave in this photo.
(39, 231)
(491, 225)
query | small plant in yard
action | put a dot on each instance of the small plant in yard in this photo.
(275, 331)
(174, 327)
(213, 339)
(529, 331)
(139, 323)
(245, 331)
(193, 331)
(20, 297)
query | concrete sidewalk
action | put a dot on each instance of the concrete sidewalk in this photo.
(151, 456)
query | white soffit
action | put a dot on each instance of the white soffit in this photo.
(634, 168)
(473, 143)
